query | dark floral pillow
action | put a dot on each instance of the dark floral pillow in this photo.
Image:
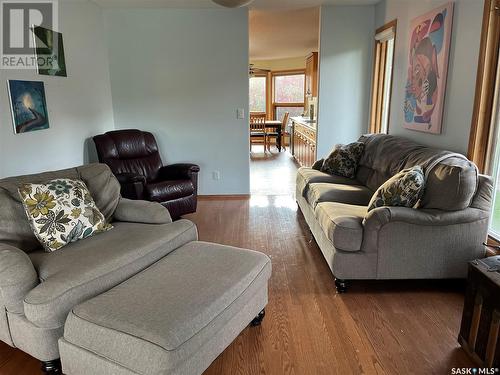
(344, 159)
(61, 211)
(403, 189)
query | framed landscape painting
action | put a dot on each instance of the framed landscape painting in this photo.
(429, 48)
(49, 50)
(28, 106)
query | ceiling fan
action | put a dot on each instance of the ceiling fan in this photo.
(253, 70)
(232, 3)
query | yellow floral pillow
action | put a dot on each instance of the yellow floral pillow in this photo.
(61, 211)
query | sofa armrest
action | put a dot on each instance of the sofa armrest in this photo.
(424, 244)
(138, 211)
(17, 277)
(377, 218)
(317, 164)
(178, 171)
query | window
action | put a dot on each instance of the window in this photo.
(288, 93)
(258, 89)
(484, 142)
(382, 78)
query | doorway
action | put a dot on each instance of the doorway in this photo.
(283, 91)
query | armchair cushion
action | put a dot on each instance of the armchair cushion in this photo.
(138, 211)
(169, 190)
(87, 268)
(178, 171)
(17, 277)
(61, 211)
(342, 224)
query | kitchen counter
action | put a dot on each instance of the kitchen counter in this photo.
(303, 140)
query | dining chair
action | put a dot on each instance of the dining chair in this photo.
(282, 134)
(258, 129)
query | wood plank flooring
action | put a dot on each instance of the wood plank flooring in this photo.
(376, 328)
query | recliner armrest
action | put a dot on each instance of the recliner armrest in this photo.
(132, 185)
(178, 171)
(139, 211)
(128, 178)
(17, 277)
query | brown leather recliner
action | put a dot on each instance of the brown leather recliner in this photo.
(133, 157)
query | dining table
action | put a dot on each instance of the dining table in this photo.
(276, 126)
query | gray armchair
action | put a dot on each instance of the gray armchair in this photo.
(38, 289)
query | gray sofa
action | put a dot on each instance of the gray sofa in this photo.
(432, 242)
(38, 289)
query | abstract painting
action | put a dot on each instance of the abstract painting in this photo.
(429, 48)
(28, 105)
(49, 52)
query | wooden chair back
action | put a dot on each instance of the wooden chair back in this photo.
(284, 123)
(257, 122)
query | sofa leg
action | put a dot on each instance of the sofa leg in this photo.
(341, 285)
(258, 319)
(52, 367)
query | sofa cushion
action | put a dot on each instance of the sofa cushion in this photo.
(15, 229)
(404, 189)
(325, 192)
(306, 176)
(169, 190)
(61, 211)
(342, 224)
(87, 268)
(343, 160)
(451, 184)
(384, 156)
(191, 295)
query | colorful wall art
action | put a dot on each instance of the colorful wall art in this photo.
(429, 47)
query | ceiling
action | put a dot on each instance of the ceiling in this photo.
(257, 4)
(279, 34)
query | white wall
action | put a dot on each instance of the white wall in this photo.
(461, 74)
(346, 49)
(79, 106)
(181, 74)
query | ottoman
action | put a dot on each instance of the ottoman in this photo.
(175, 317)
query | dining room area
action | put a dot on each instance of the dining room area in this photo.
(283, 95)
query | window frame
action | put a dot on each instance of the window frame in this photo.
(266, 76)
(281, 73)
(482, 126)
(484, 133)
(379, 79)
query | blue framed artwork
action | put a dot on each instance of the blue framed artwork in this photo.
(28, 106)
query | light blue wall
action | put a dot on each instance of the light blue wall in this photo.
(182, 74)
(346, 49)
(461, 74)
(79, 105)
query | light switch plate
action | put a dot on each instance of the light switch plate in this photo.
(240, 113)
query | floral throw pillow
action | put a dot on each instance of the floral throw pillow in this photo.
(61, 211)
(403, 189)
(344, 159)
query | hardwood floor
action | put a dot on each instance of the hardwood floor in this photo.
(376, 328)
